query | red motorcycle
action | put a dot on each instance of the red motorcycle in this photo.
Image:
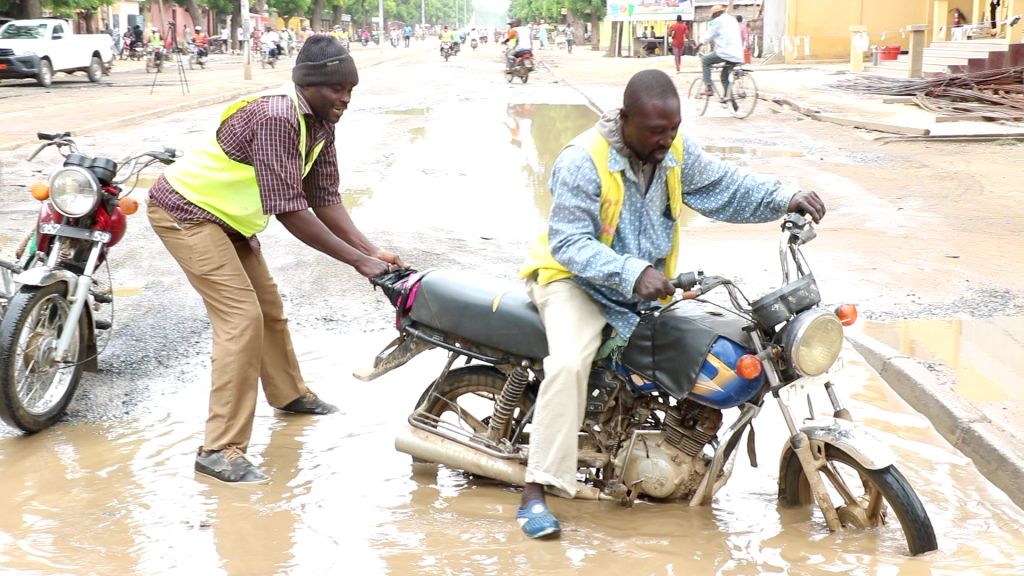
(521, 66)
(48, 332)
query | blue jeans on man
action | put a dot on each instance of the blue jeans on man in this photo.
(709, 60)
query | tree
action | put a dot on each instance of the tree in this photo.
(22, 9)
(288, 9)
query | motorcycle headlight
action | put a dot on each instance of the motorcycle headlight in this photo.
(812, 341)
(74, 191)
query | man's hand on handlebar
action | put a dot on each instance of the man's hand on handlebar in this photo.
(652, 285)
(808, 203)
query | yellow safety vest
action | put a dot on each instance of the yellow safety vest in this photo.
(540, 260)
(227, 189)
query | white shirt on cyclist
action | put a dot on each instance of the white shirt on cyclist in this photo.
(523, 40)
(725, 33)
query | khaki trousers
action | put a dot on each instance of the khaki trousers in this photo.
(250, 331)
(574, 326)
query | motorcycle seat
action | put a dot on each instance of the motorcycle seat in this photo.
(493, 312)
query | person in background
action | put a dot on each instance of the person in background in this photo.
(724, 32)
(744, 38)
(678, 32)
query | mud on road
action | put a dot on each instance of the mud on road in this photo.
(446, 163)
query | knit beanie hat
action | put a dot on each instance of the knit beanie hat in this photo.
(323, 60)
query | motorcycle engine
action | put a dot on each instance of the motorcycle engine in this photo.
(670, 463)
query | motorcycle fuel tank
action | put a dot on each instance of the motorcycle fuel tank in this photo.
(718, 385)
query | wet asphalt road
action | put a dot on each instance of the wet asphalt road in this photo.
(445, 164)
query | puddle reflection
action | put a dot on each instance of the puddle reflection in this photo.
(986, 355)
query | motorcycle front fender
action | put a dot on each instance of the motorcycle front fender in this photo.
(858, 442)
(44, 276)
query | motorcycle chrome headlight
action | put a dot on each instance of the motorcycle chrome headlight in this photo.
(812, 341)
(74, 191)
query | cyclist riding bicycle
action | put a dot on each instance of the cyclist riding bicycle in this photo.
(724, 31)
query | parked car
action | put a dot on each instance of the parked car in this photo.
(40, 48)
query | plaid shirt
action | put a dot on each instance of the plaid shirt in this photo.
(264, 134)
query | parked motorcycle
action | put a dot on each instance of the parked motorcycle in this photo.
(446, 50)
(655, 405)
(522, 65)
(48, 332)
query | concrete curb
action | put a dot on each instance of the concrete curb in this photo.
(994, 451)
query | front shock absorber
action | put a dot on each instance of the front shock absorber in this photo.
(507, 401)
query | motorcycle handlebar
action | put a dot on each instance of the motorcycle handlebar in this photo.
(52, 136)
(687, 280)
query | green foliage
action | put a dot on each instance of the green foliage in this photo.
(67, 8)
(219, 6)
(550, 10)
(290, 8)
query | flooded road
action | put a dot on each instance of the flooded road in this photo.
(120, 498)
(450, 177)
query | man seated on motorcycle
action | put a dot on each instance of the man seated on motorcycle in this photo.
(597, 267)
(272, 41)
(272, 154)
(523, 42)
(446, 35)
(156, 44)
(201, 41)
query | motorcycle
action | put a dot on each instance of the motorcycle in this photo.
(268, 54)
(196, 56)
(154, 59)
(48, 332)
(455, 47)
(473, 43)
(654, 417)
(446, 50)
(521, 67)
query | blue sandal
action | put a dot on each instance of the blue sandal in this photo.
(537, 521)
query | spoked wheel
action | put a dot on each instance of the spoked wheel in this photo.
(862, 497)
(698, 104)
(465, 400)
(35, 388)
(741, 95)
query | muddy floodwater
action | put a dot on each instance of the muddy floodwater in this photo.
(119, 495)
(120, 498)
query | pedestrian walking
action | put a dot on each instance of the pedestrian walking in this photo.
(678, 32)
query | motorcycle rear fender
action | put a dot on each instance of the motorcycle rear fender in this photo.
(858, 442)
(394, 355)
(44, 276)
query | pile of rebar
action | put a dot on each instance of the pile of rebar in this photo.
(992, 94)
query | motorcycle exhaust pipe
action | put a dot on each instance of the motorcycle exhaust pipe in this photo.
(430, 447)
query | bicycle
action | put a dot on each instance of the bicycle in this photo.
(740, 97)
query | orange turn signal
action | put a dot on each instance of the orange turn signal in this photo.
(749, 366)
(40, 191)
(847, 314)
(128, 205)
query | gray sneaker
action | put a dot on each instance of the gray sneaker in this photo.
(230, 466)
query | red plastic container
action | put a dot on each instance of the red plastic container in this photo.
(889, 52)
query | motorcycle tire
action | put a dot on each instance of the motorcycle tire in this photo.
(446, 57)
(483, 384)
(509, 77)
(191, 63)
(888, 482)
(525, 76)
(30, 328)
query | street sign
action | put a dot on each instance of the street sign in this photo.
(346, 17)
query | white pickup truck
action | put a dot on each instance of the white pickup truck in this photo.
(39, 48)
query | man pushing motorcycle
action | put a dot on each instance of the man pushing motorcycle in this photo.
(612, 243)
(272, 154)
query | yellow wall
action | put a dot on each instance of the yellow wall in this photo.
(827, 23)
